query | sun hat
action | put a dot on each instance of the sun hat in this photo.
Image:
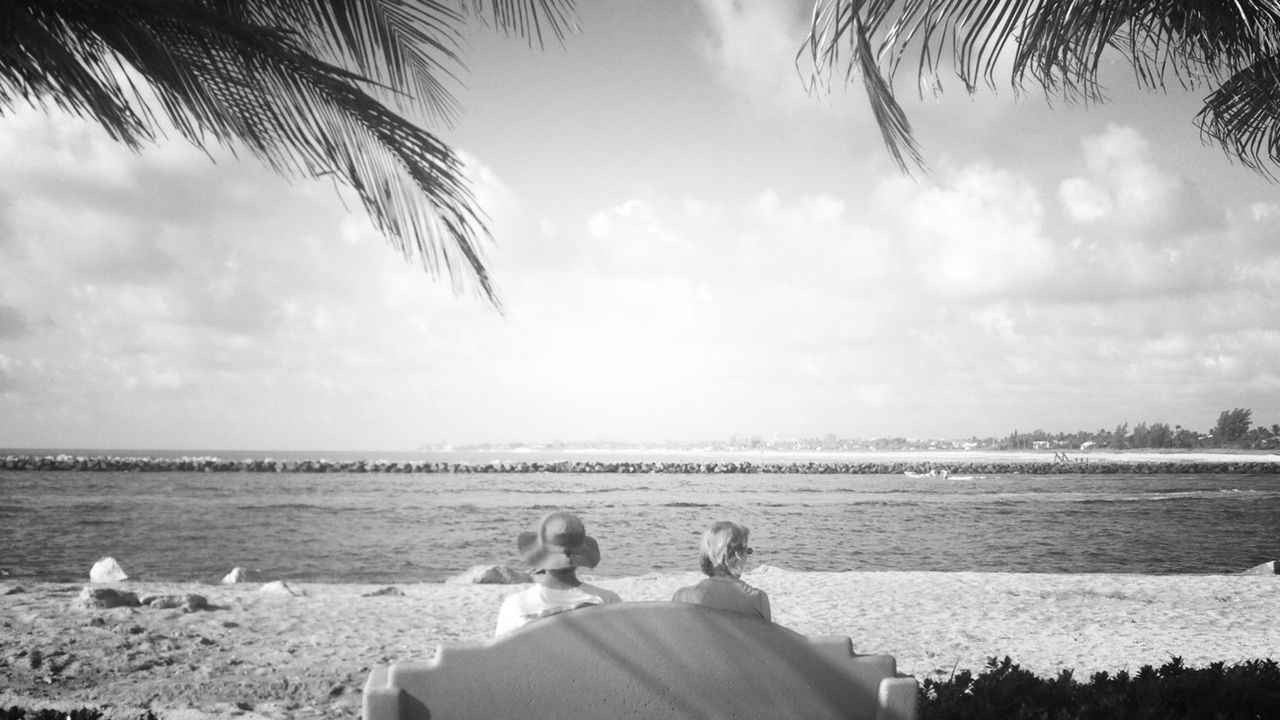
(561, 542)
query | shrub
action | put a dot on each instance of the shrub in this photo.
(18, 713)
(1004, 691)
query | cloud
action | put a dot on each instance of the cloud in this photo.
(1084, 201)
(12, 324)
(752, 48)
(8, 379)
(937, 294)
(979, 233)
(1128, 192)
(237, 291)
(635, 241)
(189, 303)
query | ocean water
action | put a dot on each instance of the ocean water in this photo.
(375, 528)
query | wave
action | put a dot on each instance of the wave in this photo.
(294, 506)
(1233, 495)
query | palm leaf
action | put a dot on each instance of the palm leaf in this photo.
(1241, 116)
(1060, 45)
(293, 82)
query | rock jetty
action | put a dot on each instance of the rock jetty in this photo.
(63, 463)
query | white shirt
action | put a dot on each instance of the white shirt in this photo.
(540, 601)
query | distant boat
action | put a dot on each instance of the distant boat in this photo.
(932, 473)
(945, 475)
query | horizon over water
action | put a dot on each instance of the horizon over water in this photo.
(387, 528)
(687, 453)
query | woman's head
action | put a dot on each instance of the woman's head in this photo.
(724, 549)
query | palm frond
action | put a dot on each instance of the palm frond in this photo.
(408, 49)
(1241, 116)
(525, 17)
(1060, 45)
(888, 113)
(298, 84)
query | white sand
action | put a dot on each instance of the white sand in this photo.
(280, 656)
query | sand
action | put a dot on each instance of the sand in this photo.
(275, 655)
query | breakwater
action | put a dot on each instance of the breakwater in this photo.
(958, 469)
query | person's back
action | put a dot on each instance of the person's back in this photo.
(543, 600)
(722, 557)
(560, 546)
(727, 593)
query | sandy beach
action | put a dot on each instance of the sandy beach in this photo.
(264, 652)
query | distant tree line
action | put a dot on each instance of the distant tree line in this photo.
(1234, 429)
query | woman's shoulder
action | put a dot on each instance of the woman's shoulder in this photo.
(695, 592)
(751, 590)
(604, 594)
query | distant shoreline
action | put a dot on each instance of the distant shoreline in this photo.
(954, 462)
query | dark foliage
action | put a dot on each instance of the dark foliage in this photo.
(1231, 49)
(1006, 691)
(17, 713)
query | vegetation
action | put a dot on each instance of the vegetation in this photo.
(312, 88)
(1233, 430)
(1004, 690)
(1231, 49)
(325, 88)
(17, 713)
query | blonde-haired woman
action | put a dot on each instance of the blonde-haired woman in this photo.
(723, 557)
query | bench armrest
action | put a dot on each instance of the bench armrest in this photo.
(897, 699)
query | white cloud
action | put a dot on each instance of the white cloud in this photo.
(979, 233)
(262, 283)
(630, 238)
(1084, 201)
(753, 46)
(1264, 211)
(167, 298)
(1125, 187)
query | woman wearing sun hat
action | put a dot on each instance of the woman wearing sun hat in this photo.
(555, 552)
(723, 557)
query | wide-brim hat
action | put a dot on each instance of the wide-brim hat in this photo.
(560, 542)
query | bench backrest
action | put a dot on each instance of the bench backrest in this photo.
(644, 660)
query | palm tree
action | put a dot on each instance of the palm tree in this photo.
(1232, 48)
(309, 87)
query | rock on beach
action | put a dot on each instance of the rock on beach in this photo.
(280, 587)
(490, 575)
(189, 602)
(1266, 568)
(240, 575)
(105, 598)
(107, 570)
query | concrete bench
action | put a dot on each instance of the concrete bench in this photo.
(644, 660)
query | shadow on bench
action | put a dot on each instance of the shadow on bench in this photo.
(644, 660)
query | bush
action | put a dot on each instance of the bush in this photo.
(1004, 691)
(17, 713)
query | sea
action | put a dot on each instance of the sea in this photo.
(407, 528)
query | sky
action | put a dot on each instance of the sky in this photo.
(688, 247)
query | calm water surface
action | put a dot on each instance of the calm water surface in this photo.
(405, 528)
